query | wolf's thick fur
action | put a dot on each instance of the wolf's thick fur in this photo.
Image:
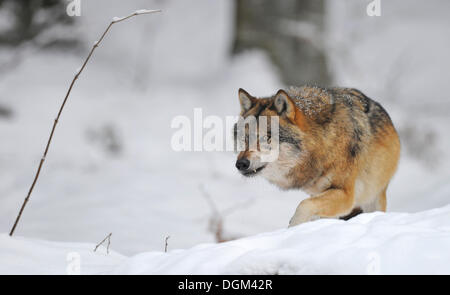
(336, 144)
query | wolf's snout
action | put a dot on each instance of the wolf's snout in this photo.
(242, 164)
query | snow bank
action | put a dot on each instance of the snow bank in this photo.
(29, 256)
(376, 243)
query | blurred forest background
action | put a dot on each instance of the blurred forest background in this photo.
(111, 167)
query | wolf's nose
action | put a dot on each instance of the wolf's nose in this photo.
(242, 164)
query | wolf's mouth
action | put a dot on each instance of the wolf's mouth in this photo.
(253, 172)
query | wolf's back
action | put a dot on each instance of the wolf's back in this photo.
(323, 105)
(348, 119)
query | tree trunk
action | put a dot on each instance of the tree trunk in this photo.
(291, 32)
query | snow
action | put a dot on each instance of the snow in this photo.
(28, 256)
(117, 19)
(143, 190)
(375, 243)
(111, 168)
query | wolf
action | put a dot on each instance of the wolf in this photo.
(336, 144)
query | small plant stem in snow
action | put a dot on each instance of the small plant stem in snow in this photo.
(108, 237)
(166, 244)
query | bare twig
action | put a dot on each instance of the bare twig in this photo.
(208, 198)
(216, 220)
(166, 244)
(108, 237)
(96, 44)
(215, 225)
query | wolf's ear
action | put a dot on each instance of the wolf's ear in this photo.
(247, 101)
(284, 105)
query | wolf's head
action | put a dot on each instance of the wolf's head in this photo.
(291, 131)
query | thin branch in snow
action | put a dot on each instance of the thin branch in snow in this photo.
(108, 237)
(166, 244)
(216, 219)
(78, 73)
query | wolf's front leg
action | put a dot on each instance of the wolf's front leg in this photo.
(332, 203)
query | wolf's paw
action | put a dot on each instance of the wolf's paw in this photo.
(302, 214)
(295, 220)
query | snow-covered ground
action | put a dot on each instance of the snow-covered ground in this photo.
(111, 167)
(375, 243)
